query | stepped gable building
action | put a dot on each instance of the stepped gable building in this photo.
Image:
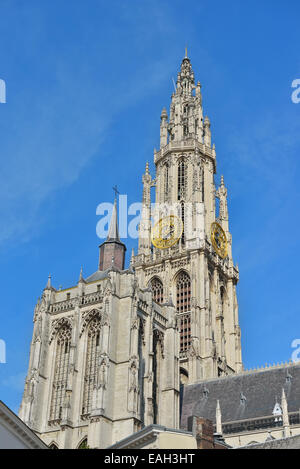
(107, 354)
(250, 408)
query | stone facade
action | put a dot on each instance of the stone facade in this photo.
(185, 168)
(91, 370)
(107, 354)
(255, 406)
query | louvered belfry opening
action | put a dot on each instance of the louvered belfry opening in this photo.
(181, 179)
(183, 303)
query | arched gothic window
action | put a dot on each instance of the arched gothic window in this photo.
(183, 302)
(222, 298)
(62, 358)
(91, 364)
(156, 384)
(181, 179)
(157, 290)
(83, 444)
(182, 214)
(166, 181)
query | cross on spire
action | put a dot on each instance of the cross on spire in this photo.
(115, 189)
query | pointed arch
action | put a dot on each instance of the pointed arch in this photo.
(166, 180)
(87, 317)
(183, 291)
(157, 288)
(182, 216)
(158, 355)
(83, 444)
(61, 368)
(53, 445)
(181, 178)
(183, 306)
(93, 352)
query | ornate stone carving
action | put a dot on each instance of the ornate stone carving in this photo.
(57, 324)
(87, 317)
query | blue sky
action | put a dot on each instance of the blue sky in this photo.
(86, 82)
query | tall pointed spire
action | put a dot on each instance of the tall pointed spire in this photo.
(112, 251)
(113, 232)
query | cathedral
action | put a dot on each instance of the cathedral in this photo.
(120, 351)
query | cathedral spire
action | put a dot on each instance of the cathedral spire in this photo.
(185, 78)
(113, 232)
(112, 251)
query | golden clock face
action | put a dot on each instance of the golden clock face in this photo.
(166, 232)
(218, 239)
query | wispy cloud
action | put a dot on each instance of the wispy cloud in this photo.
(54, 134)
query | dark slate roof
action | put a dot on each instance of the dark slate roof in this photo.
(260, 389)
(293, 442)
(99, 275)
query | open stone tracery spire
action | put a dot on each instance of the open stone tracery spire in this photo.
(185, 166)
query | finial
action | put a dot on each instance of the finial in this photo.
(218, 418)
(206, 120)
(115, 189)
(147, 168)
(48, 286)
(186, 54)
(164, 114)
(80, 275)
(222, 180)
(132, 256)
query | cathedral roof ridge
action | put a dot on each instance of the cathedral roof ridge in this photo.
(268, 367)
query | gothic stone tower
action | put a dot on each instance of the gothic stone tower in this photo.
(201, 282)
(104, 358)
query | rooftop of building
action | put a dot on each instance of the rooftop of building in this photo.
(248, 395)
